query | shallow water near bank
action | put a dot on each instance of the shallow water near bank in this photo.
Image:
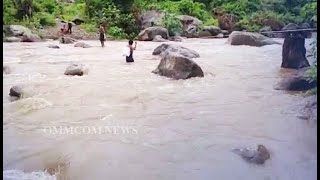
(174, 129)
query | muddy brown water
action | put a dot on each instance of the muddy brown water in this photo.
(167, 129)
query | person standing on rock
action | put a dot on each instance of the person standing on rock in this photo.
(131, 48)
(69, 27)
(101, 34)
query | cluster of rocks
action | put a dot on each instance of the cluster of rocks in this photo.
(18, 91)
(192, 27)
(17, 33)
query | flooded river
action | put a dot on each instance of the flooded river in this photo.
(132, 124)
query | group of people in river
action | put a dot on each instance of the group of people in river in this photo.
(128, 50)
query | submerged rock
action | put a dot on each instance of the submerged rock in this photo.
(258, 156)
(158, 38)
(82, 44)
(76, 70)
(297, 81)
(176, 38)
(177, 66)
(163, 49)
(66, 40)
(6, 70)
(54, 46)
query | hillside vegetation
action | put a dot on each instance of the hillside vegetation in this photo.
(122, 16)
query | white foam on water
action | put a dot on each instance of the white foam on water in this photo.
(30, 104)
(14, 174)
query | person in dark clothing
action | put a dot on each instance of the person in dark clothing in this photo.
(69, 28)
(130, 58)
(101, 34)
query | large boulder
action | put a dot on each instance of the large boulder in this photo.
(76, 70)
(150, 18)
(177, 66)
(186, 20)
(12, 39)
(16, 30)
(21, 32)
(250, 39)
(210, 31)
(158, 38)
(82, 44)
(190, 25)
(29, 37)
(296, 82)
(227, 21)
(67, 40)
(149, 33)
(164, 49)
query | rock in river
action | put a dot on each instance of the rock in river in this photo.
(176, 66)
(149, 33)
(258, 156)
(76, 70)
(167, 48)
(296, 82)
(82, 44)
(16, 91)
(6, 70)
(250, 39)
(53, 46)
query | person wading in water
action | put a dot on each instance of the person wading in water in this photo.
(101, 36)
(130, 58)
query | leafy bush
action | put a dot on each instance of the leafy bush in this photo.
(311, 73)
(8, 12)
(172, 23)
(32, 23)
(240, 7)
(45, 19)
(211, 21)
(117, 32)
(309, 11)
(182, 7)
(70, 11)
(90, 27)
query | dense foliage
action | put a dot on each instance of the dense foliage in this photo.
(121, 15)
(312, 72)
